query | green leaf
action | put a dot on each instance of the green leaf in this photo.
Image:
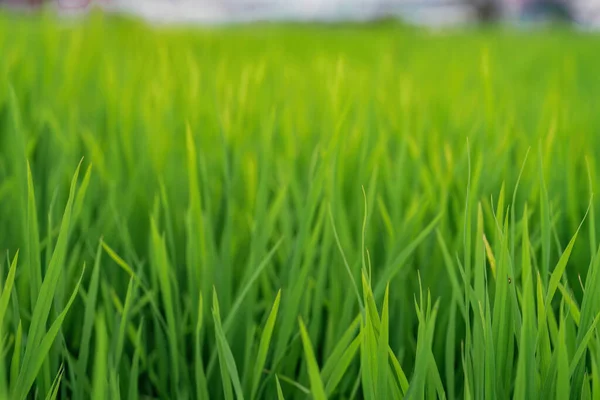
(201, 385)
(582, 347)
(49, 285)
(89, 318)
(396, 265)
(562, 378)
(129, 299)
(279, 391)
(382, 353)
(526, 364)
(15, 363)
(263, 347)
(31, 368)
(316, 384)
(342, 365)
(242, 294)
(133, 392)
(34, 263)
(7, 289)
(162, 268)
(53, 393)
(100, 381)
(225, 356)
(562, 264)
(340, 349)
(400, 375)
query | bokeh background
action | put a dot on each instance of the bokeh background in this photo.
(435, 13)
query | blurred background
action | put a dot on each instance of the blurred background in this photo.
(434, 13)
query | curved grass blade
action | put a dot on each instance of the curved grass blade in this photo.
(263, 346)
(396, 265)
(582, 347)
(562, 263)
(44, 300)
(340, 348)
(31, 368)
(226, 360)
(279, 391)
(56, 384)
(342, 365)
(7, 289)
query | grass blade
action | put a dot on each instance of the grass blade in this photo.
(279, 391)
(316, 384)
(53, 393)
(100, 382)
(30, 369)
(263, 346)
(225, 356)
(88, 324)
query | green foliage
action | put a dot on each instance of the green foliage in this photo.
(289, 212)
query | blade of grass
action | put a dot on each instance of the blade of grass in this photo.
(341, 347)
(30, 369)
(129, 299)
(88, 323)
(383, 345)
(201, 385)
(7, 289)
(279, 391)
(316, 384)
(100, 380)
(562, 378)
(263, 347)
(582, 347)
(53, 393)
(133, 392)
(225, 356)
(562, 263)
(44, 299)
(15, 363)
(342, 366)
(396, 265)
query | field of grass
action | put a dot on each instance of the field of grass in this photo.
(297, 212)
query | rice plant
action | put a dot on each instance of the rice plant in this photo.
(291, 212)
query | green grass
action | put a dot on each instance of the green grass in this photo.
(273, 212)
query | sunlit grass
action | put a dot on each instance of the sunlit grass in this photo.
(278, 212)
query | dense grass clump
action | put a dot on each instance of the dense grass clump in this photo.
(289, 212)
